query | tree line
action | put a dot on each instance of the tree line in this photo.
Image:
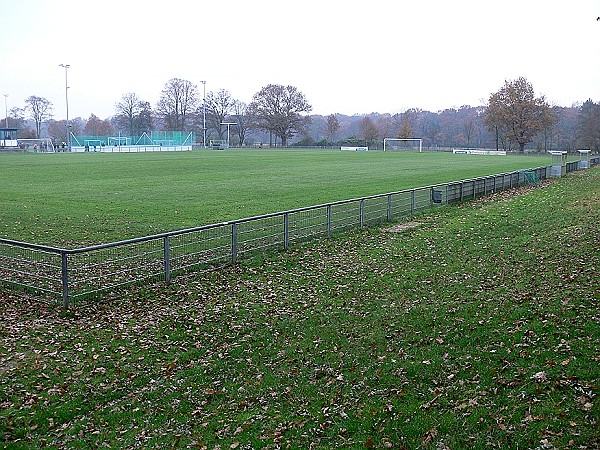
(513, 119)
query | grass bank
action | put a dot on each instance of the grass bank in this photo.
(478, 328)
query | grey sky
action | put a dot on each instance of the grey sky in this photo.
(346, 57)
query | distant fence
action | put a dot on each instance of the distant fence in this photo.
(83, 272)
(132, 148)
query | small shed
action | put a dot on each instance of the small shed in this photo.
(558, 167)
(584, 159)
(9, 137)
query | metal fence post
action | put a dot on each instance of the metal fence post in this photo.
(65, 279)
(328, 221)
(412, 202)
(389, 207)
(286, 231)
(462, 189)
(362, 213)
(167, 254)
(234, 248)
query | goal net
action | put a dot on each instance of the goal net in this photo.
(164, 142)
(118, 141)
(42, 145)
(402, 145)
(93, 144)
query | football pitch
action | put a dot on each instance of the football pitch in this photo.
(80, 199)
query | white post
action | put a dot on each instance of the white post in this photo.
(66, 66)
(204, 115)
(228, 124)
(6, 110)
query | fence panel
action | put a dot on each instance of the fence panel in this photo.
(454, 192)
(345, 216)
(572, 166)
(422, 199)
(488, 185)
(468, 190)
(540, 172)
(375, 210)
(200, 249)
(31, 268)
(479, 187)
(101, 269)
(402, 204)
(259, 234)
(307, 224)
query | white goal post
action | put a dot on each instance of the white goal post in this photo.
(390, 144)
(42, 144)
(118, 141)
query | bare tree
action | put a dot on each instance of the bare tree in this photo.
(332, 127)
(278, 109)
(40, 110)
(469, 127)
(134, 116)
(16, 117)
(407, 122)
(97, 127)
(57, 130)
(405, 131)
(219, 105)
(368, 130)
(588, 125)
(178, 100)
(240, 116)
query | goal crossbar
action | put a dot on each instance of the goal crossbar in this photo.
(388, 143)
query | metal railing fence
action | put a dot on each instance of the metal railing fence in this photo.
(78, 273)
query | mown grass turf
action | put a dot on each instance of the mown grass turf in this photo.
(477, 329)
(75, 199)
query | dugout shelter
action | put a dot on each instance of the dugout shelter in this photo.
(9, 137)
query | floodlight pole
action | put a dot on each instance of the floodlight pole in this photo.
(6, 110)
(66, 66)
(204, 115)
(228, 123)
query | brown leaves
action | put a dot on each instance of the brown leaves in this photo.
(429, 436)
(368, 342)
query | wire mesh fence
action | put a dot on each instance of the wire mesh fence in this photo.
(197, 250)
(107, 267)
(72, 274)
(31, 267)
(308, 224)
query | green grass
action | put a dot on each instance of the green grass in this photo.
(75, 199)
(477, 329)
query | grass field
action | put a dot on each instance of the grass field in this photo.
(476, 329)
(74, 199)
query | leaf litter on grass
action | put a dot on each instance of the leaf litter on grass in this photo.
(451, 336)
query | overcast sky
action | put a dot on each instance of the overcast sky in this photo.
(349, 57)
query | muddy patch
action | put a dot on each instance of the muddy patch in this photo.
(402, 227)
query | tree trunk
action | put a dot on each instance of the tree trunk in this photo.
(497, 139)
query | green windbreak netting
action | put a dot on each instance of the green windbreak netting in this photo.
(159, 138)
